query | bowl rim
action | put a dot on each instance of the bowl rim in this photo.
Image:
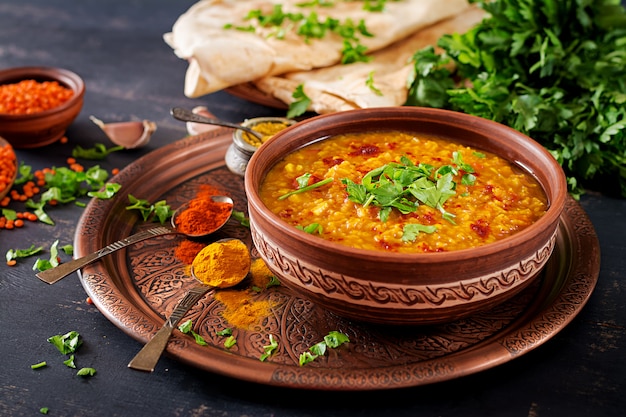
(64, 76)
(556, 199)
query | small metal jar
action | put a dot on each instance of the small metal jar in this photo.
(240, 151)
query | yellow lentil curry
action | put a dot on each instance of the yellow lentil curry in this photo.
(397, 192)
(267, 129)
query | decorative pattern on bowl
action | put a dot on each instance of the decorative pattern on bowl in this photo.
(431, 302)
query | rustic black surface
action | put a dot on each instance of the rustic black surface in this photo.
(130, 73)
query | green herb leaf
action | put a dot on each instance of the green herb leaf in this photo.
(410, 231)
(9, 214)
(306, 357)
(44, 264)
(159, 210)
(68, 249)
(312, 228)
(273, 282)
(199, 339)
(369, 82)
(307, 188)
(185, 327)
(67, 343)
(226, 332)
(318, 349)
(70, 362)
(98, 152)
(230, 342)
(110, 189)
(23, 253)
(268, 350)
(240, 216)
(44, 410)
(25, 174)
(303, 180)
(86, 372)
(334, 339)
(300, 104)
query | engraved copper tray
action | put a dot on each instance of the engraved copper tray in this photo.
(136, 288)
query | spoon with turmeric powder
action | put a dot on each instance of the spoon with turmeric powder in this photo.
(185, 115)
(195, 219)
(222, 264)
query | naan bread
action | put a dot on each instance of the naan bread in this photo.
(219, 58)
(343, 87)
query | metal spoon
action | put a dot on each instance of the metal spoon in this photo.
(55, 274)
(188, 116)
(147, 358)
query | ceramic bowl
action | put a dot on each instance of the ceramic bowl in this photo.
(42, 128)
(6, 187)
(393, 288)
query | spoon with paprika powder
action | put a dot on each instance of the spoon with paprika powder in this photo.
(197, 218)
(221, 264)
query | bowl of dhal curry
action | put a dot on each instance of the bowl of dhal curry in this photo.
(404, 215)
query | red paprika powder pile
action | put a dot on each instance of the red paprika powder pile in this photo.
(187, 250)
(203, 214)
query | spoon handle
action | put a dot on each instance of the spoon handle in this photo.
(185, 115)
(147, 358)
(55, 274)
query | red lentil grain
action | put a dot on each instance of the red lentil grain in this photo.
(30, 96)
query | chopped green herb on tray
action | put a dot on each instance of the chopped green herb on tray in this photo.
(553, 69)
(332, 340)
(160, 210)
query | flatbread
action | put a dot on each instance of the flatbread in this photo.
(344, 87)
(220, 58)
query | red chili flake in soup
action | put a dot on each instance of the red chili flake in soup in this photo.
(379, 197)
(365, 150)
(30, 96)
(481, 228)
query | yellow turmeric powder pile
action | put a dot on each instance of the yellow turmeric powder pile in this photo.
(222, 264)
(260, 273)
(241, 309)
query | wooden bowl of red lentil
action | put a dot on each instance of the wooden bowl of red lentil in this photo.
(8, 169)
(38, 104)
(322, 219)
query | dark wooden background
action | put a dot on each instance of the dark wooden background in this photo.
(130, 73)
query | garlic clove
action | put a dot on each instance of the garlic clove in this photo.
(130, 135)
(197, 128)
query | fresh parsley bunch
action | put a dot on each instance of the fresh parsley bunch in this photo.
(554, 70)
